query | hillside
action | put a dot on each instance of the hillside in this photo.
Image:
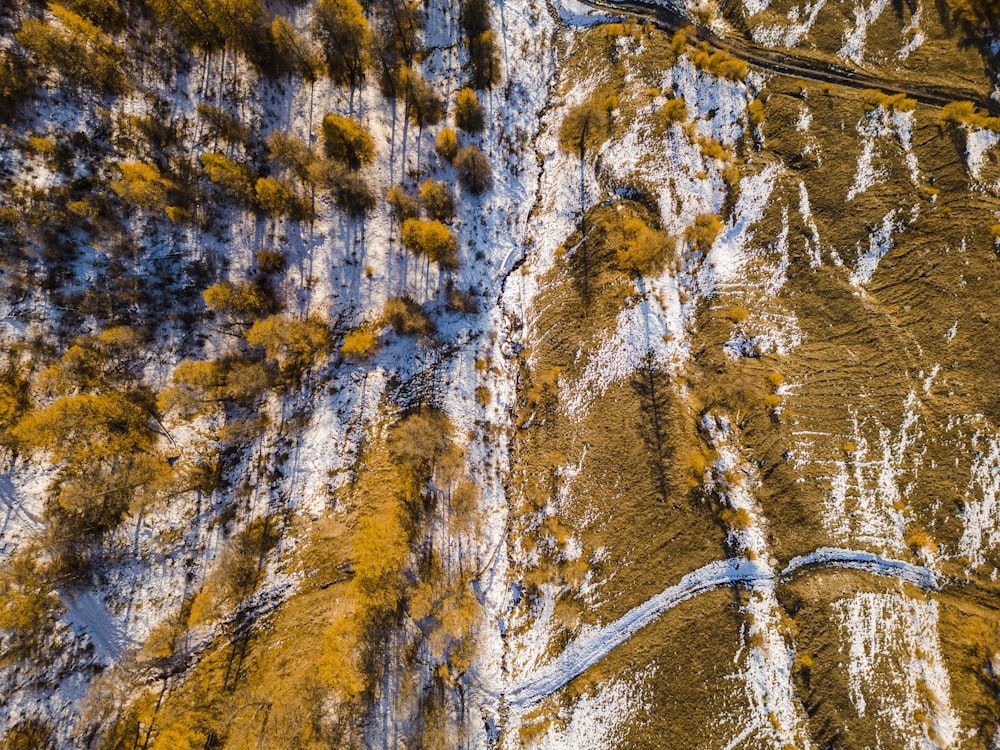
(498, 375)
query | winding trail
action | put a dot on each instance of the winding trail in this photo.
(670, 18)
(594, 643)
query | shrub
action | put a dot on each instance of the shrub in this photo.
(675, 110)
(347, 141)
(703, 232)
(446, 145)
(433, 239)
(359, 344)
(474, 170)
(468, 113)
(437, 200)
(342, 30)
(403, 205)
(406, 318)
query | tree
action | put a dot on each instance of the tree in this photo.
(290, 51)
(359, 344)
(342, 30)
(141, 185)
(17, 85)
(437, 200)
(474, 170)
(433, 239)
(402, 203)
(241, 301)
(279, 198)
(643, 251)
(485, 58)
(292, 343)
(236, 179)
(446, 145)
(291, 154)
(483, 54)
(347, 141)
(585, 127)
(424, 105)
(468, 113)
(703, 232)
(350, 191)
(76, 48)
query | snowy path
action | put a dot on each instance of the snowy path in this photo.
(594, 644)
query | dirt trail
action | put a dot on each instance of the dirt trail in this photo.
(799, 66)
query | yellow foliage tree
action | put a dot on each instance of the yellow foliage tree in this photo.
(293, 344)
(141, 185)
(433, 239)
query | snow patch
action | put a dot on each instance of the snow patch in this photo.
(895, 670)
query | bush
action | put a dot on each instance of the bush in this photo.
(446, 145)
(347, 141)
(342, 30)
(703, 232)
(437, 200)
(468, 113)
(406, 318)
(433, 239)
(474, 170)
(359, 344)
(403, 205)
